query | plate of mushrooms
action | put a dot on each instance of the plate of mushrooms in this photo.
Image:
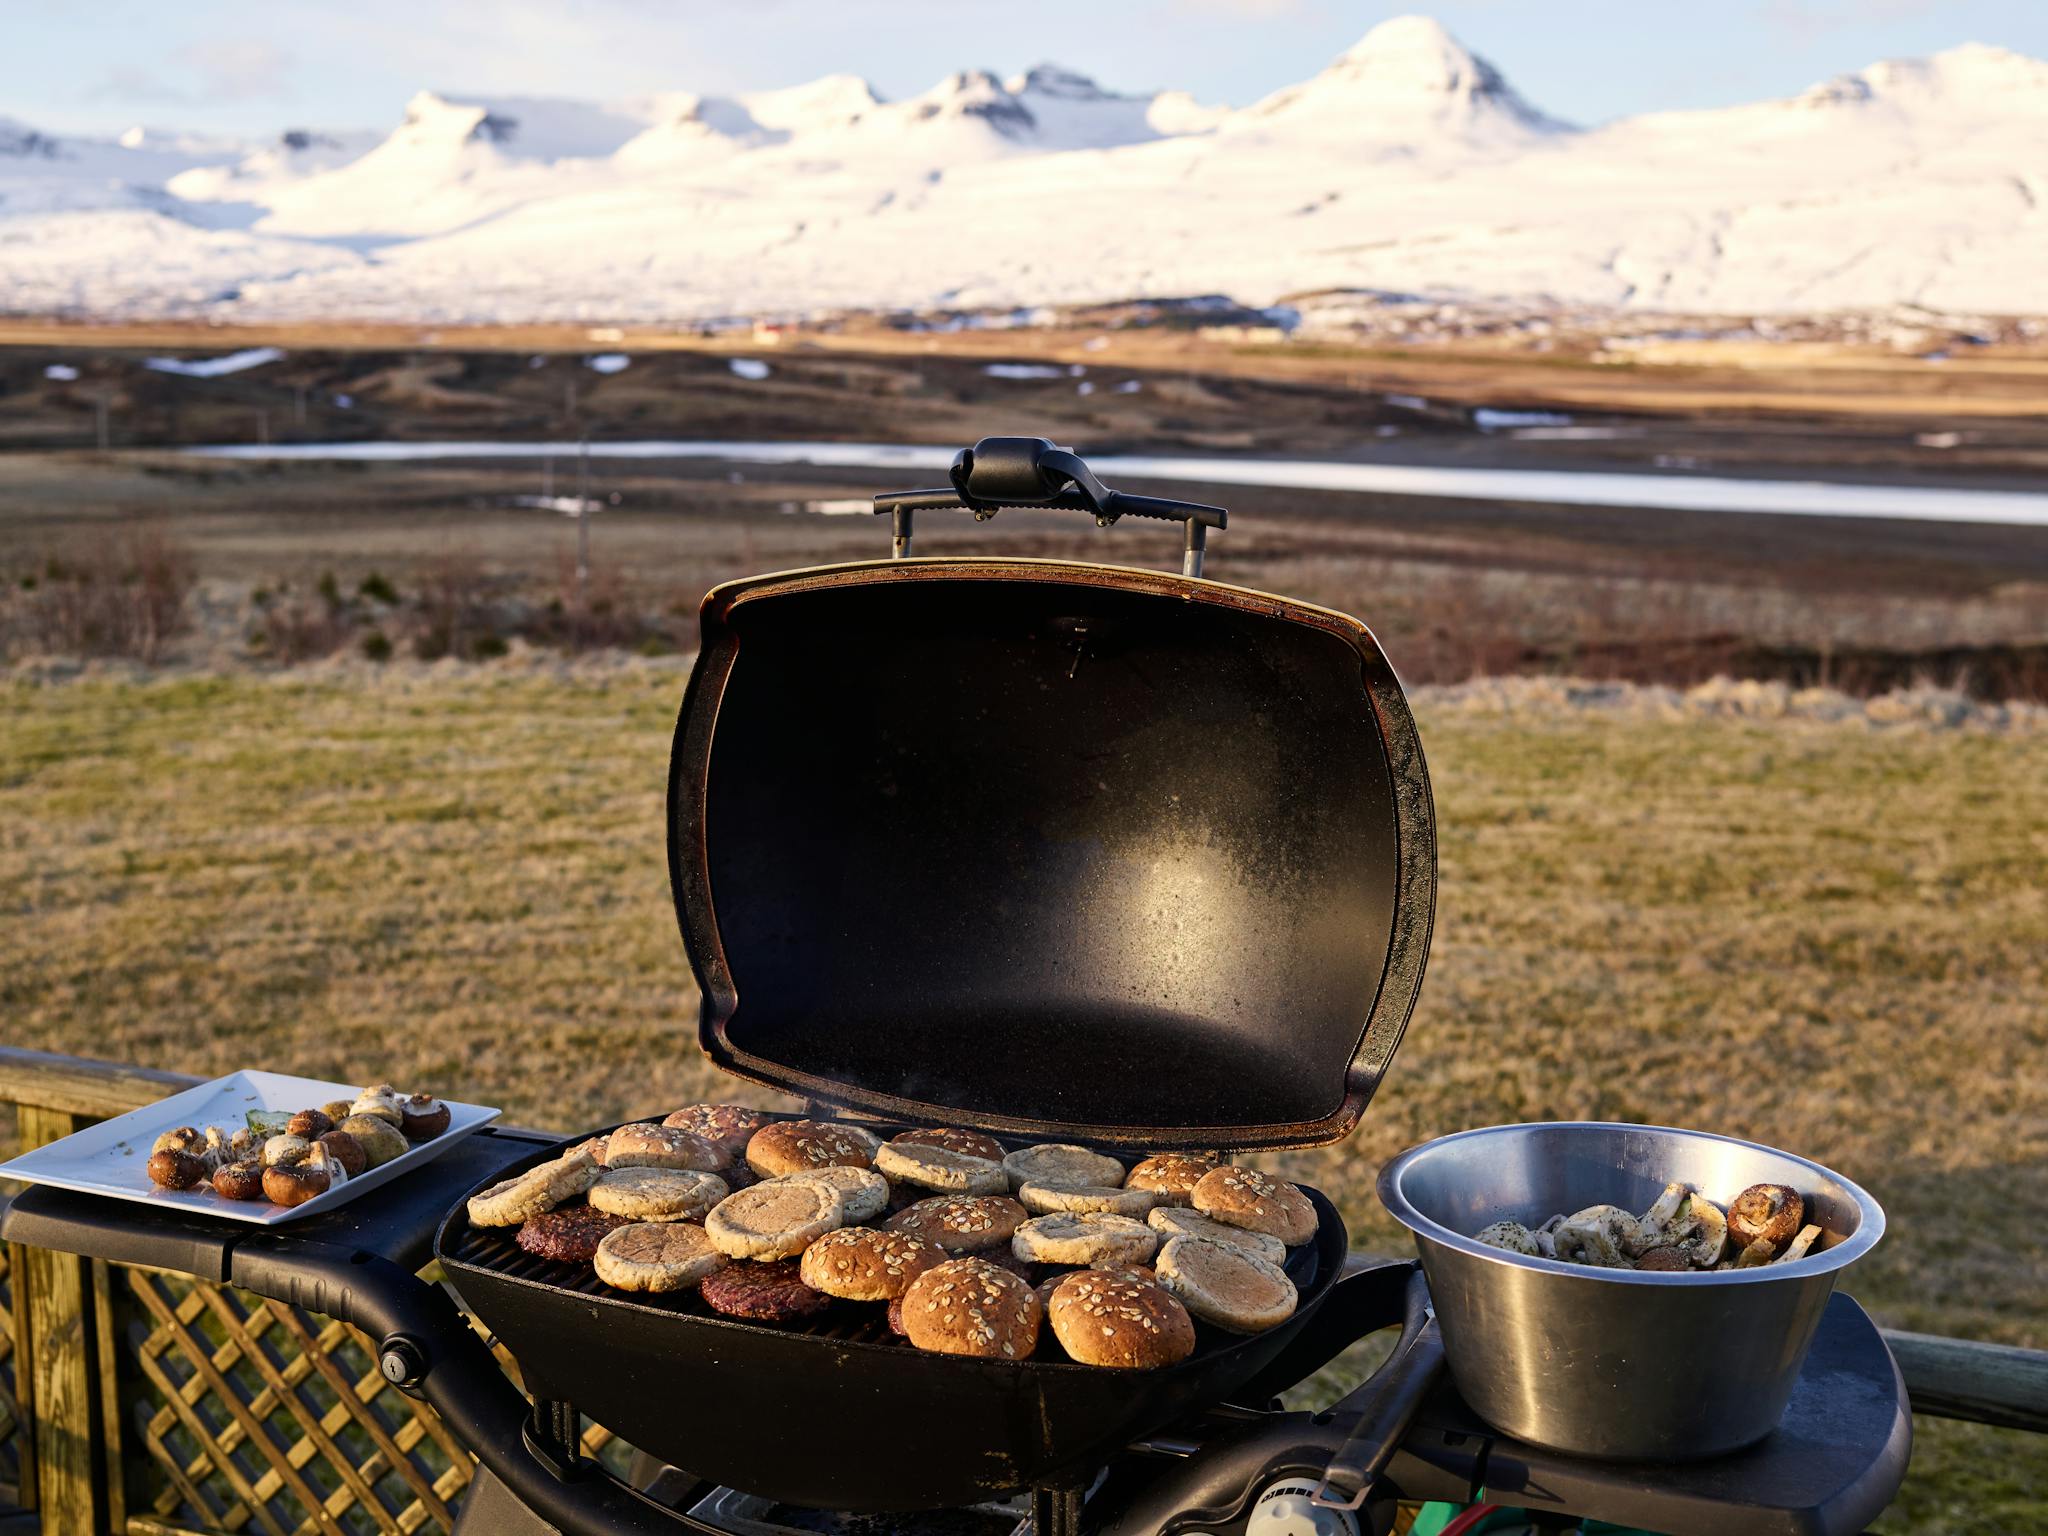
(258, 1147)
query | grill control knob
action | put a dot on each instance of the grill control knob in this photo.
(402, 1361)
(1286, 1509)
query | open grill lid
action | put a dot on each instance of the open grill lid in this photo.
(1051, 848)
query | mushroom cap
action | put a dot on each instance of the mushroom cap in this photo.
(1769, 1212)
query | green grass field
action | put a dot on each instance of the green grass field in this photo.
(1824, 937)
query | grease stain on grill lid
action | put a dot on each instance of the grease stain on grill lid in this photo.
(1049, 847)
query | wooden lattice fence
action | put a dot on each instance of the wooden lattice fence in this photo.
(11, 1437)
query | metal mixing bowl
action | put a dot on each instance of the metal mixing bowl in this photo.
(1627, 1365)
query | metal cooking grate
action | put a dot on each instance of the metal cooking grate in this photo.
(494, 1249)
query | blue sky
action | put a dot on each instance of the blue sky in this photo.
(255, 66)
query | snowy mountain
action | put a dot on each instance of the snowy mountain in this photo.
(1410, 164)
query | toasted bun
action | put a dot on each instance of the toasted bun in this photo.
(968, 1307)
(1174, 1221)
(1044, 1199)
(657, 1194)
(663, 1146)
(1062, 1163)
(509, 1203)
(1096, 1238)
(1227, 1286)
(962, 1223)
(863, 1264)
(728, 1125)
(798, 1146)
(668, 1256)
(1171, 1176)
(775, 1220)
(1258, 1202)
(973, 1143)
(941, 1169)
(863, 1192)
(1113, 1318)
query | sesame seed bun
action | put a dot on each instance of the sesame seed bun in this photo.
(798, 1146)
(962, 1223)
(657, 1194)
(666, 1256)
(663, 1146)
(967, 1307)
(863, 1264)
(863, 1192)
(953, 1139)
(1171, 1176)
(727, 1125)
(1113, 1318)
(1258, 1202)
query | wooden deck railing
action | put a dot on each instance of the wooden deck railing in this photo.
(136, 1401)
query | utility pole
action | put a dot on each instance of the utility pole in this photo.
(583, 527)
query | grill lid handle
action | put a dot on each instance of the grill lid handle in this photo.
(1000, 472)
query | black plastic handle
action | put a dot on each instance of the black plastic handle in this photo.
(1386, 1405)
(1000, 472)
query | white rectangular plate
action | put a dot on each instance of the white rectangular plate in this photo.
(112, 1158)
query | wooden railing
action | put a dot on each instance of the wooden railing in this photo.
(135, 1401)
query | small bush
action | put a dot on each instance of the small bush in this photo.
(377, 646)
(487, 647)
(378, 590)
(329, 590)
(119, 597)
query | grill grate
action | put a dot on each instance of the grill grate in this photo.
(849, 1322)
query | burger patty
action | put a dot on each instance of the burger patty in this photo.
(763, 1293)
(569, 1234)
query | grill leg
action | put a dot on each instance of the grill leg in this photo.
(1056, 1511)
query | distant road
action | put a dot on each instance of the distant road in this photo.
(1675, 491)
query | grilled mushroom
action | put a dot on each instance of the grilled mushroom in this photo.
(1668, 1221)
(1703, 1249)
(1772, 1212)
(1598, 1235)
(308, 1175)
(1759, 1252)
(1512, 1236)
(1801, 1245)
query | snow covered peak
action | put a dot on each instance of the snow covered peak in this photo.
(18, 139)
(1406, 79)
(1972, 79)
(829, 102)
(1056, 80)
(525, 127)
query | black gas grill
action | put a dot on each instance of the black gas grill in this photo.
(1059, 851)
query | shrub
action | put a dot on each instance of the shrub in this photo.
(377, 646)
(378, 590)
(117, 597)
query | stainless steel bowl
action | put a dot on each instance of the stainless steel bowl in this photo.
(1626, 1365)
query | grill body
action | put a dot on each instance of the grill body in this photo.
(840, 1414)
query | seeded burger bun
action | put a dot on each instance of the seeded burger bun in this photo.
(968, 1307)
(1113, 1318)
(656, 1256)
(657, 1194)
(1173, 1221)
(797, 1146)
(1094, 1238)
(1044, 1199)
(962, 1223)
(1233, 1289)
(663, 1146)
(726, 1125)
(863, 1264)
(1258, 1202)
(1171, 1176)
(940, 1168)
(953, 1139)
(775, 1220)
(864, 1193)
(1062, 1163)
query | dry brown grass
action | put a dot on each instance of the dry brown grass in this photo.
(1823, 937)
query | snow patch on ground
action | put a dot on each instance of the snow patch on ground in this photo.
(216, 367)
